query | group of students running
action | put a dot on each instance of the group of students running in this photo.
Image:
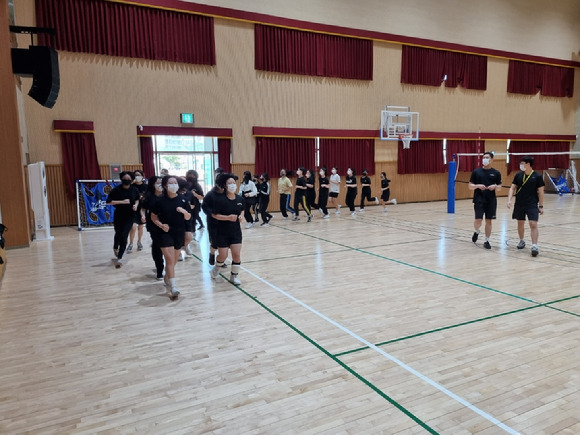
(328, 191)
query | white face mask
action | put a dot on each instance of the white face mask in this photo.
(138, 178)
(334, 171)
(349, 173)
(232, 188)
(522, 167)
(173, 188)
(485, 162)
(159, 188)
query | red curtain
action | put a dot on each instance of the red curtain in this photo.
(224, 154)
(541, 162)
(426, 66)
(115, 29)
(357, 154)
(466, 163)
(528, 78)
(275, 153)
(307, 53)
(424, 157)
(147, 157)
(79, 155)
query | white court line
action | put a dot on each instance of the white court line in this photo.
(390, 357)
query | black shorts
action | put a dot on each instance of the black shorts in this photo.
(521, 211)
(172, 239)
(190, 226)
(386, 194)
(333, 194)
(137, 219)
(488, 209)
(224, 239)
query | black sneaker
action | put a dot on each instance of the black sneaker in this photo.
(535, 251)
(474, 237)
(211, 259)
(309, 218)
(486, 245)
(521, 245)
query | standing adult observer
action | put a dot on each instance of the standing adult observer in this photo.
(484, 182)
(125, 198)
(528, 187)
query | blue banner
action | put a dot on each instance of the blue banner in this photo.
(97, 210)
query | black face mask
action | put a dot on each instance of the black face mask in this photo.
(126, 182)
(191, 179)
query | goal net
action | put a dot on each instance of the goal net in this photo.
(93, 212)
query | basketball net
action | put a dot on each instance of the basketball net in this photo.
(406, 139)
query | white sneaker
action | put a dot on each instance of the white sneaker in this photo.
(326, 216)
(353, 213)
(394, 201)
(234, 279)
(181, 256)
(376, 200)
(188, 250)
(215, 273)
(362, 210)
(337, 212)
(249, 225)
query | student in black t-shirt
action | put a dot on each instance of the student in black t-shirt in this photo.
(484, 182)
(264, 194)
(154, 192)
(323, 193)
(386, 192)
(140, 184)
(365, 182)
(528, 186)
(192, 178)
(208, 204)
(227, 211)
(300, 196)
(351, 190)
(169, 213)
(125, 198)
(310, 192)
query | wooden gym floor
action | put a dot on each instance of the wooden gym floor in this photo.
(390, 324)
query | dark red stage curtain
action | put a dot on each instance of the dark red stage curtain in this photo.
(357, 154)
(275, 153)
(528, 78)
(307, 53)
(79, 155)
(466, 163)
(541, 161)
(424, 157)
(426, 66)
(224, 154)
(115, 29)
(147, 157)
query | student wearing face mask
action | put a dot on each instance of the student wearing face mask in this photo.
(250, 194)
(310, 186)
(484, 182)
(365, 182)
(125, 198)
(528, 187)
(386, 192)
(285, 191)
(208, 205)
(139, 183)
(192, 178)
(324, 185)
(169, 213)
(334, 189)
(351, 190)
(227, 211)
(264, 189)
(300, 195)
(154, 192)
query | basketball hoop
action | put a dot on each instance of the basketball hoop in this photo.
(406, 139)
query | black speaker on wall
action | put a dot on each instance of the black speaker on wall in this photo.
(42, 64)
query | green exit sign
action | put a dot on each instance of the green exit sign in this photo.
(187, 118)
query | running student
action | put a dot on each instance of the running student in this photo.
(365, 183)
(154, 192)
(169, 213)
(386, 192)
(139, 183)
(249, 192)
(484, 182)
(323, 193)
(207, 206)
(351, 190)
(334, 189)
(310, 192)
(528, 187)
(264, 190)
(285, 191)
(227, 211)
(125, 198)
(300, 196)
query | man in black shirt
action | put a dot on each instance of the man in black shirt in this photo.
(528, 187)
(485, 182)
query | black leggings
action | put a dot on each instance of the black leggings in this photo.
(248, 209)
(157, 255)
(366, 194)
(122, 230)
(285, 204)
(301, 200)
(264, 201)
(350, 197)
(323, 200)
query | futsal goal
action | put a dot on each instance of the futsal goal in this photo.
(93, 212)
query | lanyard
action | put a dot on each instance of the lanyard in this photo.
(525, 181)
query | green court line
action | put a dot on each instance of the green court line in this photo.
(336, 360)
